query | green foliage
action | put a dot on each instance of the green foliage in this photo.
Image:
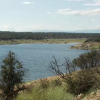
(88, 60)
(85, 79)
(43, 41)
(12, 73)
(51, 93)
(81, 82)
(93, 39)
(41, 35)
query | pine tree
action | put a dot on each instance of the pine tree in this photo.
(12, 73)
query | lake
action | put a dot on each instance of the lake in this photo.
(36, 57)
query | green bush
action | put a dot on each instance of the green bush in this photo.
(11, 76)
(88, 60)
(81, 82)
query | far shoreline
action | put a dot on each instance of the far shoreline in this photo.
(44, 41)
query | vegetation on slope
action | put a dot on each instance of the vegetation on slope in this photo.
(47, 90)
(52, 89)
(11, 76)
(7, 37)
(88, 78)
(89, 44)
(43, 41)
(72, 83)
(69, 83)
(47, 35)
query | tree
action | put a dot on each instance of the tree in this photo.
(81, 81)
(88, 60)
(12, 73)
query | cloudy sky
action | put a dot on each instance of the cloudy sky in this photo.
(31, 15)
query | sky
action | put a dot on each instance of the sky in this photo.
(60, 15)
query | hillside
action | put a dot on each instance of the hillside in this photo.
(89, 44)
(53, 88)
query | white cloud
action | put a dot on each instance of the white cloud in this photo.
(48, 12)
(6, 27)
(97, 3)
(34, 26)
(97, 27)
(38, 27)
(79, 12)
(28, 3)
(74, 0)
(92, 20)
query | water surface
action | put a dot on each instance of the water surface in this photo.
(36, 57)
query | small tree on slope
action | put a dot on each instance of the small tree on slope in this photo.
(12, 73)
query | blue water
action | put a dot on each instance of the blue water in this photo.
(36, 57)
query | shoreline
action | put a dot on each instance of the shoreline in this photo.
(44, 41)
(87, 46)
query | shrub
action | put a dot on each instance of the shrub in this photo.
(88, 60)
(82, 82)
(12, 73)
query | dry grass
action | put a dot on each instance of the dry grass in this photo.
(43, 41)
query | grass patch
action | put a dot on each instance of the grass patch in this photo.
(51, 93)
(43, 41)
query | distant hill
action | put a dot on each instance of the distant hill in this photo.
(88, 31)
(76, 31)
(49, 31)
